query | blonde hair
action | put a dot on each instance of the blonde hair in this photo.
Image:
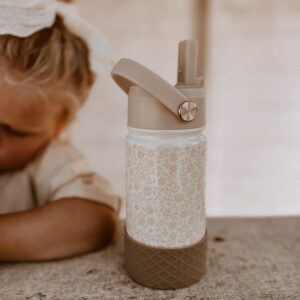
(53, 60)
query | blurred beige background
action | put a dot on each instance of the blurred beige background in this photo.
(253, 106)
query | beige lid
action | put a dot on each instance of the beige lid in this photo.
(153, 103)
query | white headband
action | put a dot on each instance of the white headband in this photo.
(22, 18)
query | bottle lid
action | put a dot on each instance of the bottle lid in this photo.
(153, 103)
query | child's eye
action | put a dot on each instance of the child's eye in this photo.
(11, 131)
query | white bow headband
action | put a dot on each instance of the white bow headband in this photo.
(22, 18)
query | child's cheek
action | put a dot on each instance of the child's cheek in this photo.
(16, 153)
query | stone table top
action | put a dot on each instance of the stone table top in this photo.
(249, 258)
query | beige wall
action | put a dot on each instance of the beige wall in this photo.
(254, 107)
(146, 31)
(253, 93)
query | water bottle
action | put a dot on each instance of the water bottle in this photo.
(165, 233)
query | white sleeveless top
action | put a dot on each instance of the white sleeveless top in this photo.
(60, 171)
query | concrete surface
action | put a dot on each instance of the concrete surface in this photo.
(248, 259)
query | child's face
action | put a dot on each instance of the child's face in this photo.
(27, 124)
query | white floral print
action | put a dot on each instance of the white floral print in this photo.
(165, 190)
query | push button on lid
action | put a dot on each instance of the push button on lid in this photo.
(188, 111)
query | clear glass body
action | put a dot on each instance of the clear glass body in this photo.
(165, 186)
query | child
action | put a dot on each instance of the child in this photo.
(52, 205)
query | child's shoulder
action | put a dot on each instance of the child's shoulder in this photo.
(59, 155)
(61, 171)
(59, 150)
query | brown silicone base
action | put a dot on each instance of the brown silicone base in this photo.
(164, 268)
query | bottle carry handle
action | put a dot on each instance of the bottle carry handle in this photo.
(128, 73)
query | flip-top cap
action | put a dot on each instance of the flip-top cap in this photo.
(153, 103)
